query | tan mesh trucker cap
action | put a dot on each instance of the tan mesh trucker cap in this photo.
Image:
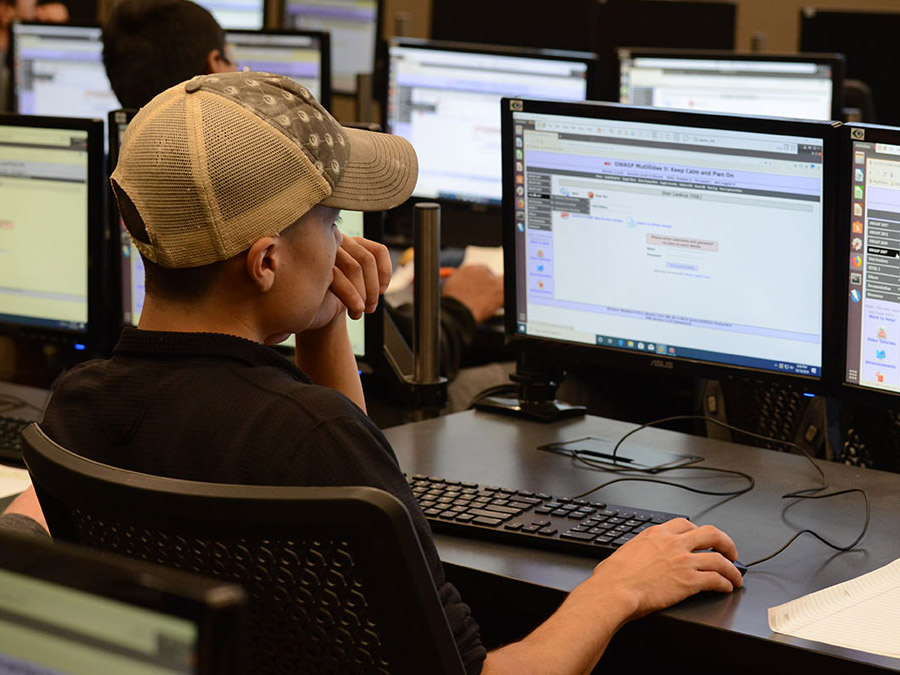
(215, 163)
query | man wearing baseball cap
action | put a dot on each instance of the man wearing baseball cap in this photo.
(230, 185)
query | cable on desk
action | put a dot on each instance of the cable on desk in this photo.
(805, 493)
(508, 387)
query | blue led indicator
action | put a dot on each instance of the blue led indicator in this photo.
(79, 347)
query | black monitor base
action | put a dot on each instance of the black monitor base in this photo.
(539, 411)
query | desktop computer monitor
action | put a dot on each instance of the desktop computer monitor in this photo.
(868, 230)
(52, 229)
(58, 69)
(354, 26)
(803, 86)
(305, 57)
(237, 14)
(686, 242)
(128, 269)
(70, 610)
(443, 98)
(868, 42)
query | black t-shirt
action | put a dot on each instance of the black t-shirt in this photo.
(219, 408)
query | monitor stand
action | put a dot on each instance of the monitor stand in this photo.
(537, 393)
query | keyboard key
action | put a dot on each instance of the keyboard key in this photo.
(513, 526)
(464, 517)
(482, 520)
(548, 531)
(576, 515)
(542, 509)
(559, 512)
(580, 536)
(490, 514)
(503, 509)
(530, 528)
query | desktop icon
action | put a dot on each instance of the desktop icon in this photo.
(859, 175)
(651, 348)
(660, 349)
(856, 261)
(520, 215)
(855, 278)
(520, 190)
(520, 226)
(671, 350)
(520, 179)
(857, 210)
(519, 129)
(520, 204)
(882, 333)
(858, 192)
(519, 142)
(856, 244)
(520, 166)
(540, 253)
(621, 342)
(631, 343)
(857, 227)
(520, 154)
(855, 295)
(640, 345)
(879, 376)
(860, 157)
(880, 354)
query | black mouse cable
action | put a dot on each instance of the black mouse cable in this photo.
(805, 493)
(580, 457)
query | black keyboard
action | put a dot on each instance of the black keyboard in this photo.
(11, 438)
(524, 518)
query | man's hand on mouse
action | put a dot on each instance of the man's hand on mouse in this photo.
(667, 563)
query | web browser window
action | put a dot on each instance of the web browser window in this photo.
(298, 57)
(43, 227)
(873, 302)
(446, 103)
(800, 89)
(689, 242)
(353, 25)
(47, 629)
(58, 70)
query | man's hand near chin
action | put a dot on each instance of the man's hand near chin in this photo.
(362, 272)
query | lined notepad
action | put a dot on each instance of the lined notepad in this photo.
(863, 614)
(13, 481)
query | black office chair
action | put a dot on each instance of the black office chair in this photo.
(336, 577)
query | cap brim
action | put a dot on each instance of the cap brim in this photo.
(381, 173)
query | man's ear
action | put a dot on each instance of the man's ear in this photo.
(217, 61)
(263, 259)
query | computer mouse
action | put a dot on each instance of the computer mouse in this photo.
(741, 567)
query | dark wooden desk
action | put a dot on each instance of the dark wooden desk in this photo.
(727, 633)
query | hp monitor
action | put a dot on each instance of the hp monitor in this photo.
(869, 237)
(52, 229)
(803, 86)
(58, 70)
(444, 98)
(305, 57)
(868, 42)
(73, 611)
(651, 238)
(237, 14)
(354, 26)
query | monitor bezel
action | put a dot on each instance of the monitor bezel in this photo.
(92, 338)
(324, 39)
(483, 221)
(835, 61)
(217, 608)
(379, 31)
(848, 390)
(12, 59)
(570, 353)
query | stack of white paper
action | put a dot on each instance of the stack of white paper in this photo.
(862, 613)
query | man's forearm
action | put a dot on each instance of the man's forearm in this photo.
(571, 641)
(326, 355)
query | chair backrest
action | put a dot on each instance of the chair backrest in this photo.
(336, 578)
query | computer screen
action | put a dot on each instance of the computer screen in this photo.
(796, 85)
(58, 70)
(354, 28)
(443, 98)
(237, 14)
(870, 230)
(304, 57)
(674, 237)
(867, 41)
(51, 225)
(71, 611)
